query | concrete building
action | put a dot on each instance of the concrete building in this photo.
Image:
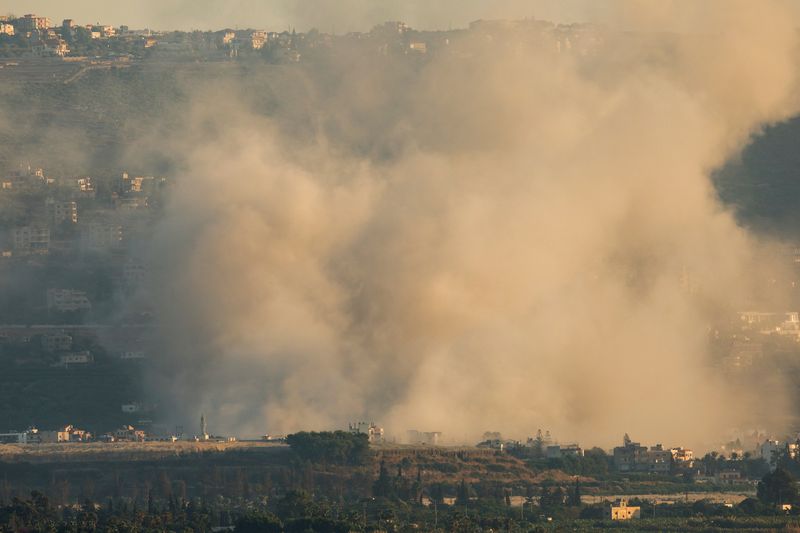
(418, 47)
(621, 511)
(54, 437)
(633, 457)
(656, 460)
(424, 438)
(51, 47)
(786, 323)
(31, 22)
(57, 341)
(258, 38)
(129, 434)
(77, 187)
(770, 451)
(628, 456)
(15, 438)
(373, 432)
(559, 451)
(31, 238)
(100, 236)
(67, 300)
(76, 358)
(61, 212)
(727, 477)
(683, 456)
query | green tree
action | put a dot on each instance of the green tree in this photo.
(777, 488)
(335, 447)
(574, 496)
(463, 494)
(259, 522)
(384, 485)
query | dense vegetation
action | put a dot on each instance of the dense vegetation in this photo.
(334, 447)
(298, 511)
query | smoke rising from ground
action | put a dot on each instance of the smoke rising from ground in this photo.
(501, 238)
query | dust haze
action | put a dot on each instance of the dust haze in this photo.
(497, 238)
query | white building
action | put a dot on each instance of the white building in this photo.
(75, 358)
(67, 300)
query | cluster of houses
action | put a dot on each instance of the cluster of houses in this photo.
(63, 216)
(70, 217)
(35, 436)
(633, 457)
(49, 39)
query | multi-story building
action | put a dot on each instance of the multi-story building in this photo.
(373, 432)
(770, 451)
(59, 341)
(31, 238)
(31, 22)
(633, 457)
(557, 451)
(61, 212)
(67, 300)
(656, 460)
(627, 456)
(100, 236)
(683, 456)
(76, 358)
(258, 38)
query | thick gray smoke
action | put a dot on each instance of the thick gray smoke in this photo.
(504, 237)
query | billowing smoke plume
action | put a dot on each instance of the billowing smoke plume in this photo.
(503, 237)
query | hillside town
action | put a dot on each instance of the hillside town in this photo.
(31, 36)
